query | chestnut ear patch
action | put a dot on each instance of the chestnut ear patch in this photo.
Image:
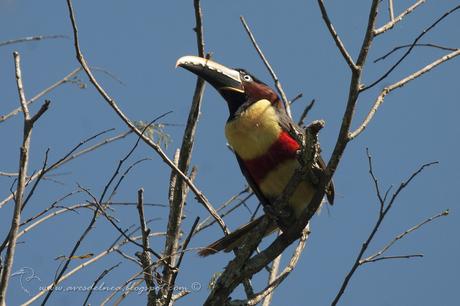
(259, 91)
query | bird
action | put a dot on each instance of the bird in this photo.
(264, 139)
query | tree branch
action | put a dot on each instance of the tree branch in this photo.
(23, 167)
(180, 190)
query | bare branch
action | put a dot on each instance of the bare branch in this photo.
(144, 255)
(179, 188)
(269, 67)
(41, 94)
(20, 86)
(53, 205)
(411, 48)
(409, 256)
(393, 21)
(381, 217)
(31, 38)
(271, 277)
(53, 214)
(391, 10)
(396, 85)
(23, 166)
(336, 37)
(416, 45)
(300, 95)
(199, 195)
(376, 182)
(402, 235)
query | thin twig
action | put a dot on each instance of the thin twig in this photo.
(305, 112)
(409, 256)
(97, 280)
(127, 291)
(336, 37)
(71, 156)
(95, 258)
(53, 205)
(72, 208)
(435, 46)
(122, 232)
(293, 100)
(31, 38)
(269, 67)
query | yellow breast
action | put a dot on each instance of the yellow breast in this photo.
(254, 130)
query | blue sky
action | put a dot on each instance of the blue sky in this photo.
(139, 43)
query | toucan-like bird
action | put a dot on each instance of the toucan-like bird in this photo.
(263, 137)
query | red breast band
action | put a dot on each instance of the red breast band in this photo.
(284, 148)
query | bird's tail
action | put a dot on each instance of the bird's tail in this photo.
(234, 239)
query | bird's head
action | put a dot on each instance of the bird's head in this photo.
(238, 87)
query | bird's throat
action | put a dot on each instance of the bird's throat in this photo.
(254, 130)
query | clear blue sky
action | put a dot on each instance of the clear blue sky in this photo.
(139, 42)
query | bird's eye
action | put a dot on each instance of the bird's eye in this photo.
(247, 78)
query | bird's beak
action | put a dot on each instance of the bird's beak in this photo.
(220, 77)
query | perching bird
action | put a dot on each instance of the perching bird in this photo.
(263, 137)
